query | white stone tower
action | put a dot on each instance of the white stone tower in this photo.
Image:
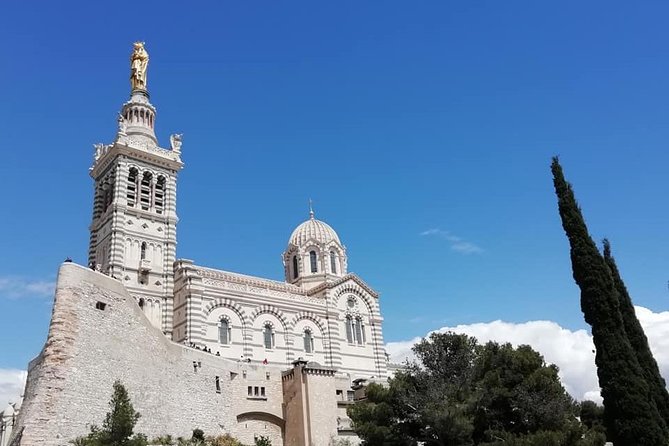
(133, 233)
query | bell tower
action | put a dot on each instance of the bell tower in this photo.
(133, 232)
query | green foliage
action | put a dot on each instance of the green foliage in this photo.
(591, 414)
(572, 436)
(163, 440)
(382, 418)
(631, 415)
(262, 441)
(198, 435)
(462, 393)
(223, 440)
(197, 440)
(637, 338)
(117, 428)
(517, 393)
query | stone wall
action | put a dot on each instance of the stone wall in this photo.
(97, 335)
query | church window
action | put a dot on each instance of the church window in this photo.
(106, 193)
(159, 195)
(224, 332)
(314, 264)
(218, 384)
(131, 188)
(141, 303)
(359, 329)
(262, 392)
(308, 341)
(349, 329)
(142, 254)
(333, 262)
(250, 390)
(268, 336)
(296, 271)
(145, 191)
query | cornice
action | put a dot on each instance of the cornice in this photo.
(346, 278)
(137, 150)
(249, 280)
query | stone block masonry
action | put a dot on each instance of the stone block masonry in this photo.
(97, 335)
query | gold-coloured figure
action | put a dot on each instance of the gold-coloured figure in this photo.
(139, 61)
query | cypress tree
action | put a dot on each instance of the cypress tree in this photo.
(121, 419)
(638, 340)
(630, 415)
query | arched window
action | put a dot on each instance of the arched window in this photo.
(359, 331)
(105, 196)
(159, 194)
(308, 341)
(314, 263)
(333, 262)
(141, 303)
(142, 254)
(131, 187)
(145, 191)
(224, 332)
(349, 329)
(268, 336)
(296, 271)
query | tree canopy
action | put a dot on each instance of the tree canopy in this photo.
(632, 411)
(458, 392)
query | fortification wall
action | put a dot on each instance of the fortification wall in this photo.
(88, 348)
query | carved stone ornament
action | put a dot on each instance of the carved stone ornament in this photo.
(175, 141)
(98, 150)
(122, 124)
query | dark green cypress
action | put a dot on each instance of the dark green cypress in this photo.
(637, 338)
(630, 414)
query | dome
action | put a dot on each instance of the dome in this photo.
(314, 254)
(313, 229)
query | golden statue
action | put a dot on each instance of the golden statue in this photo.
(139, 61)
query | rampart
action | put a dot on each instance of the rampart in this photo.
(98, 335)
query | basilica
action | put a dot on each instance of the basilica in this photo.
(197, 347)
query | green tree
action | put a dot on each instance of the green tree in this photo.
(630, 414)
(518, 394)
(117, 427)
(592, 415)
(438, 388)
(460, 393)
(381, 419)
(637, 338)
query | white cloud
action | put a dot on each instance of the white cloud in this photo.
(457, 243)
(11, 386)
(571, 351)
(15, 287)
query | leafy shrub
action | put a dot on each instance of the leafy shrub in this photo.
(262, 441)
(223, 440)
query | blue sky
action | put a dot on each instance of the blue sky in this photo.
(423, 132)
